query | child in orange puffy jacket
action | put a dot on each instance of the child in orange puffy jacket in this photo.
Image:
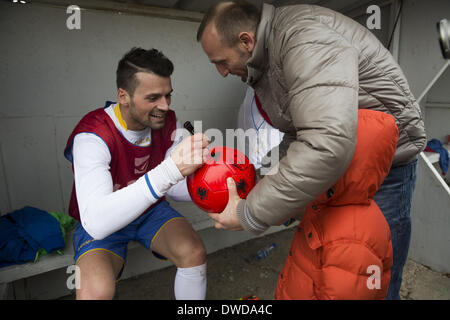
(342, 248)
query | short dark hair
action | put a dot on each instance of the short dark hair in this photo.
(230, 19)
(141, 60)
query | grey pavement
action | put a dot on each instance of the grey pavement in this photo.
(235, 272)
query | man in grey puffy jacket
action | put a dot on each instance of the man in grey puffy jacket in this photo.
(312, 68)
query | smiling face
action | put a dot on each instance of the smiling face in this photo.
(228, 60)
(148, 105)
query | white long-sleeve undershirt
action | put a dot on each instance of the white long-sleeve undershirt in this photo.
(103, 210)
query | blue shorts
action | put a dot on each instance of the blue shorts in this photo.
(143, 230)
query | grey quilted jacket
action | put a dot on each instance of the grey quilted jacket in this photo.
(312, 68)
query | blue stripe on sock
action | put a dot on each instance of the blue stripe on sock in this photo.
(150, 187)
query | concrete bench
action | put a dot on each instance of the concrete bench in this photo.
(46, 279)
(55, 261)
(46, 263)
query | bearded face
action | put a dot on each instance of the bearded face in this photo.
(148, 105)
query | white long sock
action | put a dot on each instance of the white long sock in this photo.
(190, 283)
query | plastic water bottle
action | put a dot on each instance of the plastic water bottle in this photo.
(263, 253)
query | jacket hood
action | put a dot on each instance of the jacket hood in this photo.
(377, 137)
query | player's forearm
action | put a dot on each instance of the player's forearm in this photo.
(105, 214)
(163, 177)
(108, 213)
(179, 192)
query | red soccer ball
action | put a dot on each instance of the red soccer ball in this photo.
(208, 185)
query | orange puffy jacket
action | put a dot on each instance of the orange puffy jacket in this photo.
(342, 248)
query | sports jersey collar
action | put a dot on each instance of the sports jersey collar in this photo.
(118, 114)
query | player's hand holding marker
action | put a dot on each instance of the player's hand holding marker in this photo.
(191, 153)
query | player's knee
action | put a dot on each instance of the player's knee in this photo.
(191, 253)
(96, 290)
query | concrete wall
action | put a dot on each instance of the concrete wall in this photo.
(437, 103)
(430, 219)
(437, 113)
(51, 76)
(419, 53)
(421, 59)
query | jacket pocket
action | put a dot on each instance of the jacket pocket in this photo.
(312, 246)
(312, 236)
